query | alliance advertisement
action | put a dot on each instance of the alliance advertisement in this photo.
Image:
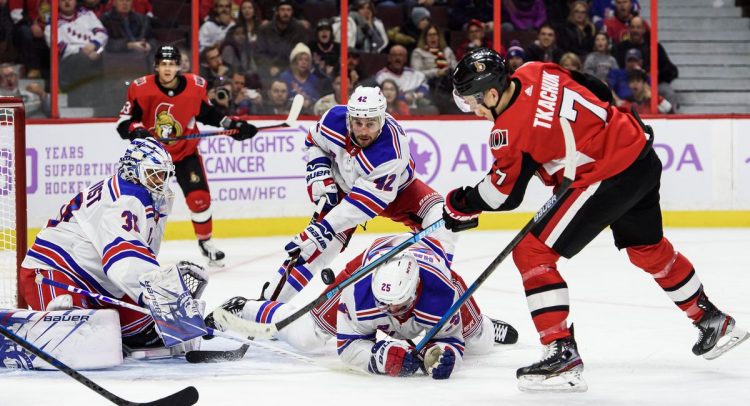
(704, 164)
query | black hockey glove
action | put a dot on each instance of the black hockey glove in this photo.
(138, 132)
(457, 216)
(246, 130)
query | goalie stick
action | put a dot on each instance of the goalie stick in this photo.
(290, 121)
(106, 299)
(187, 396)
(569, 175)
(259, 330)
(210, 356)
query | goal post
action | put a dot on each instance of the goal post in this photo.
(13, 239)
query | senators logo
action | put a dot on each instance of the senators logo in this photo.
(498, 139)
(165, 125)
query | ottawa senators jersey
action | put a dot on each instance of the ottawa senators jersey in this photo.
(527, 136)
(168, 116)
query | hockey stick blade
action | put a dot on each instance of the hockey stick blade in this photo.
(184, 397)
(187, 396)
(291, 119)
(208, 356)
(228, 321)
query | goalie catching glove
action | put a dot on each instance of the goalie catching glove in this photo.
(310, 243)
(393, 358)
(245, 130)
(456, 213)
(320, 183)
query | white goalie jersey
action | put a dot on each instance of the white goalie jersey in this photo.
(105, 238)
(370, 177)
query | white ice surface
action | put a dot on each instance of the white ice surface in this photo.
(634, 342)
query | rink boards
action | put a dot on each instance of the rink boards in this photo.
(258, 186)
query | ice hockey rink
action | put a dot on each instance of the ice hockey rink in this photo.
(635, 344)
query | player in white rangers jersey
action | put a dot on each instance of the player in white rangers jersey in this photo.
(403, 297)
(359, 161)
(105, 239)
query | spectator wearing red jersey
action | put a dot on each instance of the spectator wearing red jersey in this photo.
(617, 26)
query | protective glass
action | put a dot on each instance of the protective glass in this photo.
(467, 104)
(395, 309)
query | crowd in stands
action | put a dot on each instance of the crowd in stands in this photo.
(257, 55)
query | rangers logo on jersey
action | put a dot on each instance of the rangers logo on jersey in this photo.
(165, 125)
(498, 138)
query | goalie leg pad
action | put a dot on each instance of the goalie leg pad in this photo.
(82, 339)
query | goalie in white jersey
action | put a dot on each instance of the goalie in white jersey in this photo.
(359, 162)
(105, 239)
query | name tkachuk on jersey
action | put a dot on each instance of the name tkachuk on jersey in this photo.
(436, 293)
(527, 135)
(371, 177)
(174, 112)
(104, 256)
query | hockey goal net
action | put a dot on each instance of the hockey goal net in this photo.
(12, 198)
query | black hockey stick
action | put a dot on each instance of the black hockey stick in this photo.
(290, 121)
(568, 176)
(211, 356)
(262, 330)
(187, 396)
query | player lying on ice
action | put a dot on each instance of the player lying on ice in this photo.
(359, 162)
(401, 298)
(616, 186)
(105, 240)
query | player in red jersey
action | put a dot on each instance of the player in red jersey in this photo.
(616, 185)
(167, 104)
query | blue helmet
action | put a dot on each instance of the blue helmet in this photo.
(147, 163)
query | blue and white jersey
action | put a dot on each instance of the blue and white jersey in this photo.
(105, 238)
(371, 177)
(359, 318)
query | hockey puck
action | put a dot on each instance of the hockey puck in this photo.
(327, 276)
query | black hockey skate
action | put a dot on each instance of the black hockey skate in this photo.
(214, 255)
(717, 331)
(504, 332)
(559, 370)
(233, 305)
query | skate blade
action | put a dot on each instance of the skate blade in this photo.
(730, 340)
(216, 263)
(571, 381)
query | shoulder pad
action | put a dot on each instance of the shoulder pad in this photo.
(120, 187)
(141, 81)
(364, 300)
(387, 147)
(198, 80)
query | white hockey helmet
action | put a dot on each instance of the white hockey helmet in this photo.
(394, 284)
(147, 163)
(366, 102)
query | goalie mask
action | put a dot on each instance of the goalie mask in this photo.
(147, 163)
(366, 102)
(394, 284)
